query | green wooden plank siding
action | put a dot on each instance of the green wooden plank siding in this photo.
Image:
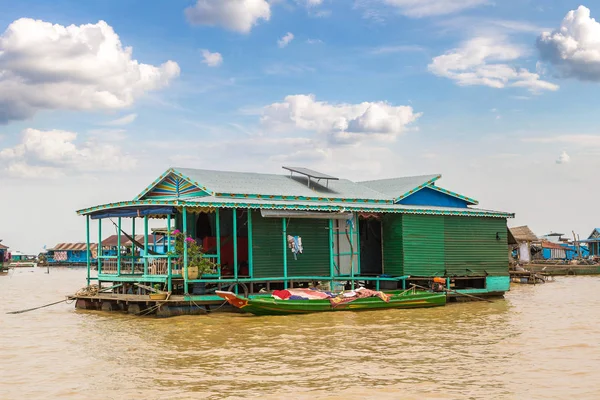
(423, 245)
(472, 248)
(267, 246)
(314, 261)
(393, 252)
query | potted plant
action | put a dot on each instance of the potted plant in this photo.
(158, 295)
(197, 263)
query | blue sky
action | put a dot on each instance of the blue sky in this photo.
(499, 97)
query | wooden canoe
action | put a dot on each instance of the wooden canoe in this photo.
(271, 306)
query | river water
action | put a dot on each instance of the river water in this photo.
(541, 342)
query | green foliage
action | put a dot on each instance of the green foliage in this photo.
(194, 252)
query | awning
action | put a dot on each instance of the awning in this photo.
(304, 214)
(139, 211)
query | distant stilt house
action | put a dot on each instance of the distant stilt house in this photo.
(278, 231)
(524, 238)
(4, 254)
(71, 254)
(593, 243)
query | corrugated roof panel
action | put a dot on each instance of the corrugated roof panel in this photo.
(398, 188)
(250, 183)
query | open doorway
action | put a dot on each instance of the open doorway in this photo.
(370, 245)
(206, 235)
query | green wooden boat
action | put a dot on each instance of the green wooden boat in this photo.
(271, 306)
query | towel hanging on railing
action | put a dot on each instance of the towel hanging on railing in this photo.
(295, 243)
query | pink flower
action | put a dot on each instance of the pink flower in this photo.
(189, 239)
(176, 232)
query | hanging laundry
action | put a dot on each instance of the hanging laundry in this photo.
(295, 243)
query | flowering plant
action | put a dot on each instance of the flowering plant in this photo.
(194, 252)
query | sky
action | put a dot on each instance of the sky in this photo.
(99, 97)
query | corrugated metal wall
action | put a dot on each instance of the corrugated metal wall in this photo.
(314, 261)
(393, 252)
(428, 245)
(267, 246)
(423, 245)
(471, 246)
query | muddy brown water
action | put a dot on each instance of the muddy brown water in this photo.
(540, 342)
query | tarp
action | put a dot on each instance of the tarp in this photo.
(134, 212)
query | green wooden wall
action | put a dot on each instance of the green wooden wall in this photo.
(471, 246)
(267, 246)
(314, 261)
(430, 245)
(423, 245)
(393, 251)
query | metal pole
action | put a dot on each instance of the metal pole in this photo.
(331, 252)
(250, 263)
(119, 246)
(133, 247)
(169, 272)
(145, 245)
(87, 242)
(185, 252)
(99, 247)
(218, 233)
(235, 246)
(285, 282)
(352, 254)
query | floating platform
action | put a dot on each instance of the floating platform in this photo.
(145, 305)
(564, 269)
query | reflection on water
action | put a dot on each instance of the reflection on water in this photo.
(539, 343)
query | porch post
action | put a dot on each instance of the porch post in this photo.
(352, 255)
(119, 246)
(185, 252)
(331, 253)
(357, 245)
(133, 246)
(99, 246)
(168, 248)
(145, 245)
(250, 263)
(235, 246)
(218, 233)
(87, 243)
(285, 282)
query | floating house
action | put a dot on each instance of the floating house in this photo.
(276, 231)
(4, 254)
(524, 237)
(593, 242)
(71, 254)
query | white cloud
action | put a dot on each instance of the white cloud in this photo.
(314, 41)
(341, 123)
(235, 15)
(483, 61)
(575, 139)
(212, 59)
(310, 3)
(46, 66)
(396, 49)
(125, 120)
(574, 48)
(55, 153)
(285, 40)
(564, 158)
(428, 8)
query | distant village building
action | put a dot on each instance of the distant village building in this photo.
(593, 242)
(524, 238)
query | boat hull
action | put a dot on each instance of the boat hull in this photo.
(271, 306)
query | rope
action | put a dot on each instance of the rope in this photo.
(36, 308)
